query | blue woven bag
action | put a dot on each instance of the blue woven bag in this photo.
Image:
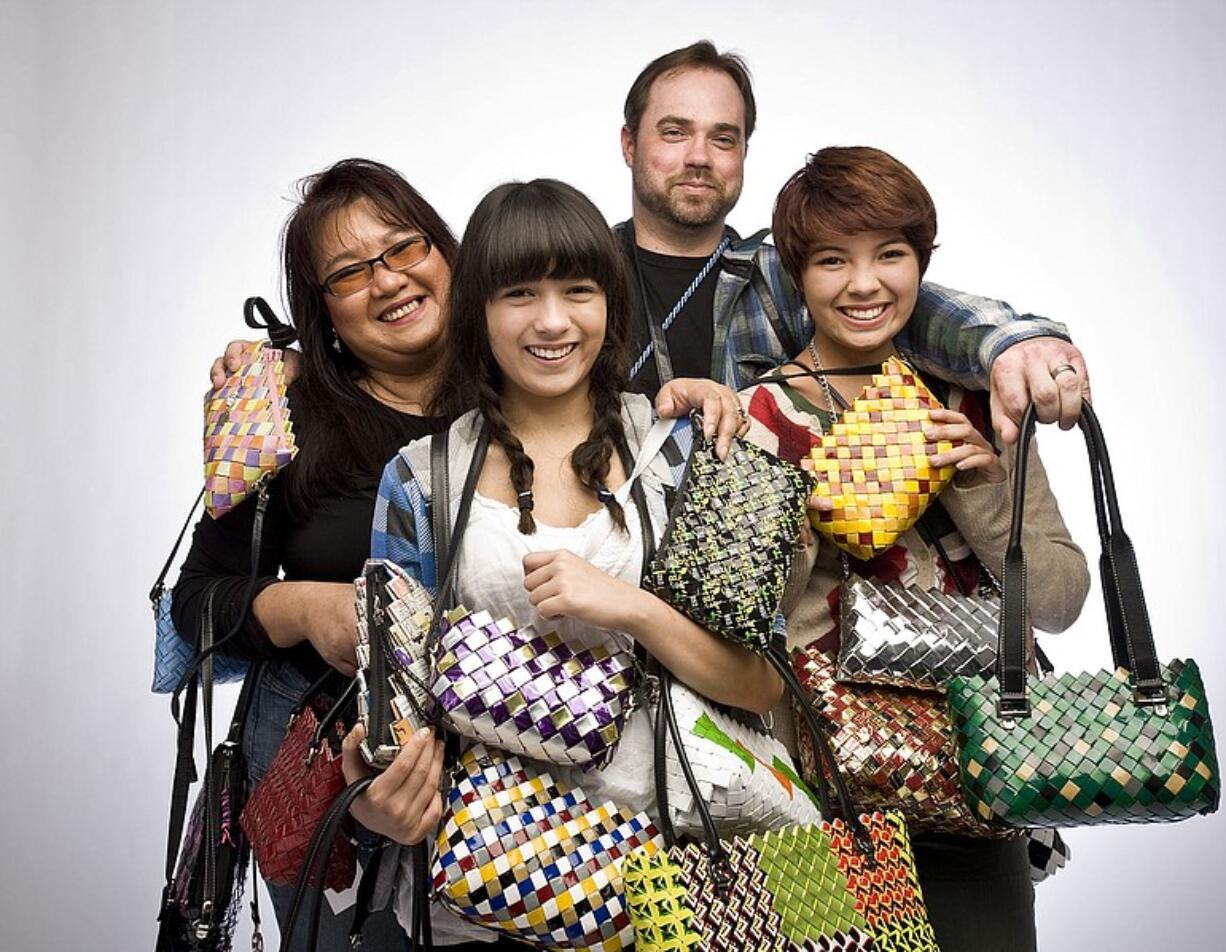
(172, 656)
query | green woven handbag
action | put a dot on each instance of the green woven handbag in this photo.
(1128, 745)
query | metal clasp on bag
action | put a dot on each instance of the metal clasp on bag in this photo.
(1151, 696)
(1011, 708)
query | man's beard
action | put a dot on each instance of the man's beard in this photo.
(684, 211)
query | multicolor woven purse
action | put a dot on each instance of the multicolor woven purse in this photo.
(531, 694)
(394, 613)
(745, 777)
(840, 884)
(525, 855)
(873, 463)
(301, 783)
(731, 538)
(248, 436)
(1129, 745)
(894, 747)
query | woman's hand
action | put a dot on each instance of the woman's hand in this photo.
(975, 456)
(403, 802)
(238, 352)
(560, 584)
(722, 413)
(322, 613)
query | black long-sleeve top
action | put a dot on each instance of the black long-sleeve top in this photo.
(329, 543)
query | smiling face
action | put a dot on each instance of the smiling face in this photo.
(396, 322)
(687, 158)
(860, 290)
(545, 335)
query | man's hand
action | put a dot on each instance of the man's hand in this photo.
(238, 352)
(1047, 370)
(722, 414)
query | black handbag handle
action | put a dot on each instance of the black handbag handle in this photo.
(280, 333)
(1132, 639)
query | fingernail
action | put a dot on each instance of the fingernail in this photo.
(424, 732)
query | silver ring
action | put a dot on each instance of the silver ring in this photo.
(1061, 368)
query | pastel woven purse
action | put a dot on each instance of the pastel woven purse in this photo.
(873, 463)
(731, 538)
(523, 854)
(248, 436)
(1133, 744)
(841, 884)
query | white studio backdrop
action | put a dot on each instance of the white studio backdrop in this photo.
(1074, 152)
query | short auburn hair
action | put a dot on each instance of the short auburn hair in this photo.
(700, 55)
(848, 190)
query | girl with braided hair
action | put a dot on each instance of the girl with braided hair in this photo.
(536, 355)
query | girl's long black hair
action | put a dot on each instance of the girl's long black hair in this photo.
(521, 232)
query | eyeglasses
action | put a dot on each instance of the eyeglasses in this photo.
(399, 257)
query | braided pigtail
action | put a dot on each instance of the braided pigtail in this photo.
(522, 466)
(591, 458)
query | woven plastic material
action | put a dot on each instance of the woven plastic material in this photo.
(913, 637)
(172, 656)
(731, 538)
(798, 888)
(525, 855)
(744, 776)
(873, 464)
(529, 693)
(409, 610)
(247, 431)
(289, 802)
(894, 747)
(1088, 754)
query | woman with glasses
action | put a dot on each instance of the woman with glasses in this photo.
(368, 270)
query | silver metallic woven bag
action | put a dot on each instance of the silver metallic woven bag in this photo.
(912, 637)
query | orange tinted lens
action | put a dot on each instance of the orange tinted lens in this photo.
(406, 253)
(350, 279)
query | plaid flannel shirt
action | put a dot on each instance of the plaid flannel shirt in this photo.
(761, 321)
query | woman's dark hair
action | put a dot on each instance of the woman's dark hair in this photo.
(521, 232)
(348, 430)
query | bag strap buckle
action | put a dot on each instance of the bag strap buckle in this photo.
(1011, 708)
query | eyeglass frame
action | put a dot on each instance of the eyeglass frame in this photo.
(369, 265)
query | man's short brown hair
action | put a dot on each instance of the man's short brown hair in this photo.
(845, 191)
(700, 55)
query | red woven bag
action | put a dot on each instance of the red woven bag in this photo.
(289, 802)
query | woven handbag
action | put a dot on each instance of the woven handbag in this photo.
(911, 637)
(841, 884)
(303, 780)
(204, 888)
(525, 855)
(894, 747)
(394, 613)
(248, 436)
(745, 776)
(1133, 744)
(731, 538)
(498, 683)
(873, 463)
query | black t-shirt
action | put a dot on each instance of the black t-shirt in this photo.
(692, 335)
(329, 543)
